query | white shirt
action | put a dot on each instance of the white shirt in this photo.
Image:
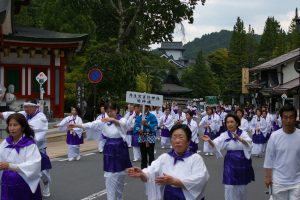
(166, 122)
(244, 125)
(27, 161)
(283, 156)
(192, 173)
(220, 144)
(110, 131)
(180, 117)
(63, 125)
(212, 122)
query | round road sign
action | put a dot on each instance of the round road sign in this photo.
(95, 75)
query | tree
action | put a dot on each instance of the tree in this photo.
(293, 36)
(269, 39)
(237, 60)
(251, 48)
(200, 78)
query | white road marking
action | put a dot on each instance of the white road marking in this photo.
(61, 160)
(88, 154)
(96, 195)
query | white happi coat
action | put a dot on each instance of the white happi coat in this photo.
(168, 123)
(39, 124)
(69, 120)
(180, 118)
(192, 173)
(28, 162)
(213, 123)
(194, 128)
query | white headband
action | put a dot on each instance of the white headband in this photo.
(30, 104)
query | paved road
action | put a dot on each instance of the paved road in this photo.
(83, 180)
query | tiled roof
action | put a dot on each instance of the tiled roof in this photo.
(171, 46)
(278, 60)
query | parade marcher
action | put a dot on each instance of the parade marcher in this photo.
(158, 114)
(166, 123)
(209, 126)
(269, 127)
(135, 133)
(129, 113)
(39, 123)
(259, 132)
(282, 160)
(192, 124)
(177, 175)
(276, 124)
(101, 138)
(221, 113)
(238, 171)
(115, 152)
(20, 162)
(180, 116)
(244, 123)
(146, 136)
(174, 108)
(74, 136)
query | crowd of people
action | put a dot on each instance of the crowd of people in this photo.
(180, 173)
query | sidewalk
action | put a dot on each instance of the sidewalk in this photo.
(60, 148)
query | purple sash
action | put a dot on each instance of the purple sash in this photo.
(237, 168)
(135, 140)
(13, 187)
(165, 132)
(258, 138)
(115, 155)
(193, 147)
(45, 161)
(24, 142)
(176, 157)
(28, 117)
(74, 139)
(173, 193)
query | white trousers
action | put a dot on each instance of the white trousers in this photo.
(257, 149)
(284, 192)
(128, 140)
(45, 174)
(136, 153)
(73, 151)
(114, 183)
(235, 192)
(165, 141)
(206, 148)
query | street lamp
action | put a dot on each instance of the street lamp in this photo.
(147, 67)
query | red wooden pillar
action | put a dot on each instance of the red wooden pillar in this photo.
(62, 87)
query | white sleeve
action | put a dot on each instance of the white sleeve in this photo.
(219, 143)
(153, 190)
(78, 131)
(62, 126)
(246, 149)
(270, 154)
(169, 123)
(30, 169)
(123, 126)
(6, 114)
(195, 184)
(93, 129)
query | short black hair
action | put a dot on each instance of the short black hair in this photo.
(77, 110)
(241, 110)
(185, 129)
(236, 119)
(111, 106)
(288, 108)
(190, 113)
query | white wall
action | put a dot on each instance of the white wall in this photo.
(289, 73)
(177, 54)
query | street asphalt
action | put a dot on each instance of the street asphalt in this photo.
(83, 180)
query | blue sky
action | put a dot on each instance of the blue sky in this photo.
(216, 15)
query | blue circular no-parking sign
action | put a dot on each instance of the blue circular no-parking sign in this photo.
(95, 75)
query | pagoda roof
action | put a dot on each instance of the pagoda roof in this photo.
(35, 35)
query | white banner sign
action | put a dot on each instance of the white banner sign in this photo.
(144, 98)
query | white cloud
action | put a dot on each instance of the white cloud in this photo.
(216, 15)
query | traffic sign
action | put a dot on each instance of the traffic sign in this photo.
(95, 75)
(144, 98)
(41, 78)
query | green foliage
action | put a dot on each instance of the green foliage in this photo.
(269, 39)
(200, 78)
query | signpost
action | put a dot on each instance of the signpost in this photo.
(95, 76)
(144, 99)
(41, 79)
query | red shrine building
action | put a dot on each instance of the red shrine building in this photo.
(27, 51)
